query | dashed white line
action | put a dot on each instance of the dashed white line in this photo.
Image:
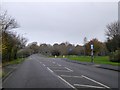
(88, 86)
(40, 62)
(49, 69)
(58, 64)
(66, 82)
(44, 65)
(95, 81)
(71, 76)
(69, 69)
(54, 62)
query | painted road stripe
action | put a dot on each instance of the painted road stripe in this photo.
(62, 70)
(71, 76)
(88, 86)
(8, 76)
(54, 62)
(69, 69)
(43, 64)
(49, 69)
(66, 82)
(58, 64)
(40, 62)
(95, 81)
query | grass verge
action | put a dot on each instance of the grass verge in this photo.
(16, 61)
(97, 59)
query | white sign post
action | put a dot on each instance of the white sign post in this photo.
(92, 47)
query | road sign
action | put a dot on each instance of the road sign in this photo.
(91, 46)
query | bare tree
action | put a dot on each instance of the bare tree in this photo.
(113, 30)
(7, 22)
(113, 36)
(11, 42)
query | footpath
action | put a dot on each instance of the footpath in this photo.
(104, 66)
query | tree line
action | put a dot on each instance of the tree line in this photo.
(10, 42)
(14, 45)
(64, 48)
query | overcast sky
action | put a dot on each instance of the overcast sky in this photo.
(57, 22)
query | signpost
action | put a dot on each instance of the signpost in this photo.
(92, 54)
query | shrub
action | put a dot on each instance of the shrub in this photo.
(115, 56)
(55, 53)
(24, 53)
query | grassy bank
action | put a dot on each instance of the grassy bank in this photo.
(16, 61)
(97, 59)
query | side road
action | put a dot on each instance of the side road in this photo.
(104, 66)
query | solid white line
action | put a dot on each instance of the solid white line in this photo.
(87, 86)
(62, 70)
(8, 76)
(95, 81)
(71, 76)
(69, 69)
(66, 82)
(49, 69)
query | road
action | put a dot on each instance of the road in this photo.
(42, 72)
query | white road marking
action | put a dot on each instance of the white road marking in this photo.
(66, 82)
(44, 65)
(71, 76)
(38, 61)
(58, 64)
(49, 69)
(8, 76)
(69, 69)
(95, 81)
(87, 86)
(62, 70)
(54, 62)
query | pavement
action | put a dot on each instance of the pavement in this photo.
(41, 72)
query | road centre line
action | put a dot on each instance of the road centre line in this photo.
(43, 64)
(49, 69)
(58, 64)
(95, 81)
(69, 69)
(88, 86)
(66, 82)
(38, 61)
(54, 62)
(71, 76)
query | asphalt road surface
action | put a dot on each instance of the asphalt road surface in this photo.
(42, 72)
